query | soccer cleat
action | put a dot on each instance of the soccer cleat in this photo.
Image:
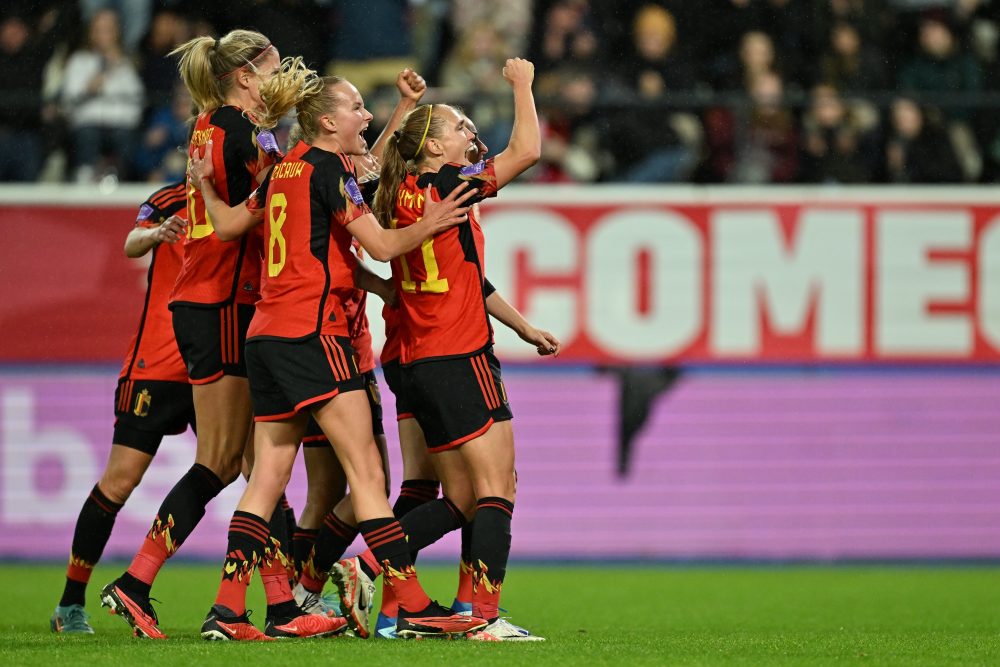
(222, 624)
(435, 621)
(385, 627)
(305, 625)
(463, 608)
(357, 592)
(502, 630)
(71, 620)
(314, 603)
(136, 610)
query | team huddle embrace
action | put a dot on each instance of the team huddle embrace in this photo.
(254, 333)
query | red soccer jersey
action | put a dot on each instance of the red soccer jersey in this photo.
(312, 195)
(152, 353)
(219, 272)
(443, 308)
(357, 323)
(391, 347)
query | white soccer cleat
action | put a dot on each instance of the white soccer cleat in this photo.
(502, 630)
(357, 593)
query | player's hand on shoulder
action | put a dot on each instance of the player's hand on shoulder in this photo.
(450, 211)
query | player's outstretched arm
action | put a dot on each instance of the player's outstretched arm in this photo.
(525, 146)
(545, 343)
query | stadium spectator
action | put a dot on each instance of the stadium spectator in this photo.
(573, 136)
(22, 59)
(849, 64)
(757, 143)
(721, 25)
(157, 69)
(836, 146)
(943, 69)
(787, 24)
(134, 14)
(754, 57)
(941, 66)
(652, 143)
(918, 150)
(162, 156)
(102, 98)
(567, 35)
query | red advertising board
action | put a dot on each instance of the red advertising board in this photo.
(621, 275)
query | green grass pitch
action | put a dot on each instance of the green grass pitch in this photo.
(592, 615)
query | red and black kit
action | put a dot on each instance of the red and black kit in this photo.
(153, 397)
(219, 282)
(298, 346)
(449, 376)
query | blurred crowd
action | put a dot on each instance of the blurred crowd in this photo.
(640, 91)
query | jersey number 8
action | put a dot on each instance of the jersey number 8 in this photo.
(275, 239)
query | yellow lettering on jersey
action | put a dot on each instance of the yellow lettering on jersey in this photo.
(201, 137)
(287, 170)
(410, 200)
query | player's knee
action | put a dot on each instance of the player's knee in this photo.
(226, 468)
(118, 488)
(371, 478)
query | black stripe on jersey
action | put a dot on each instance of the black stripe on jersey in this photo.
(168, 200)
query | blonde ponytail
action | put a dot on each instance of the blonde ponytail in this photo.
(391, 176)
(206, 65)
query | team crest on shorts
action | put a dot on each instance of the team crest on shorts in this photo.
(142, 402)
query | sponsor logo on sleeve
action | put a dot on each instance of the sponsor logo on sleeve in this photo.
(353, 191)
(267, 143)
(473, 169)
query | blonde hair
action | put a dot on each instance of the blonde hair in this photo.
(403, 154)
(295, 86)
(206, 64)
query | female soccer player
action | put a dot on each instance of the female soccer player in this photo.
(212, 303)
(153, 399)
(446, 347)
(298, 352)
(420, 483)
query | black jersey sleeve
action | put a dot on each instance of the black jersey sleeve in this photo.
(488, 288)
(239, 153)
(162, 204)
(338, 189)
